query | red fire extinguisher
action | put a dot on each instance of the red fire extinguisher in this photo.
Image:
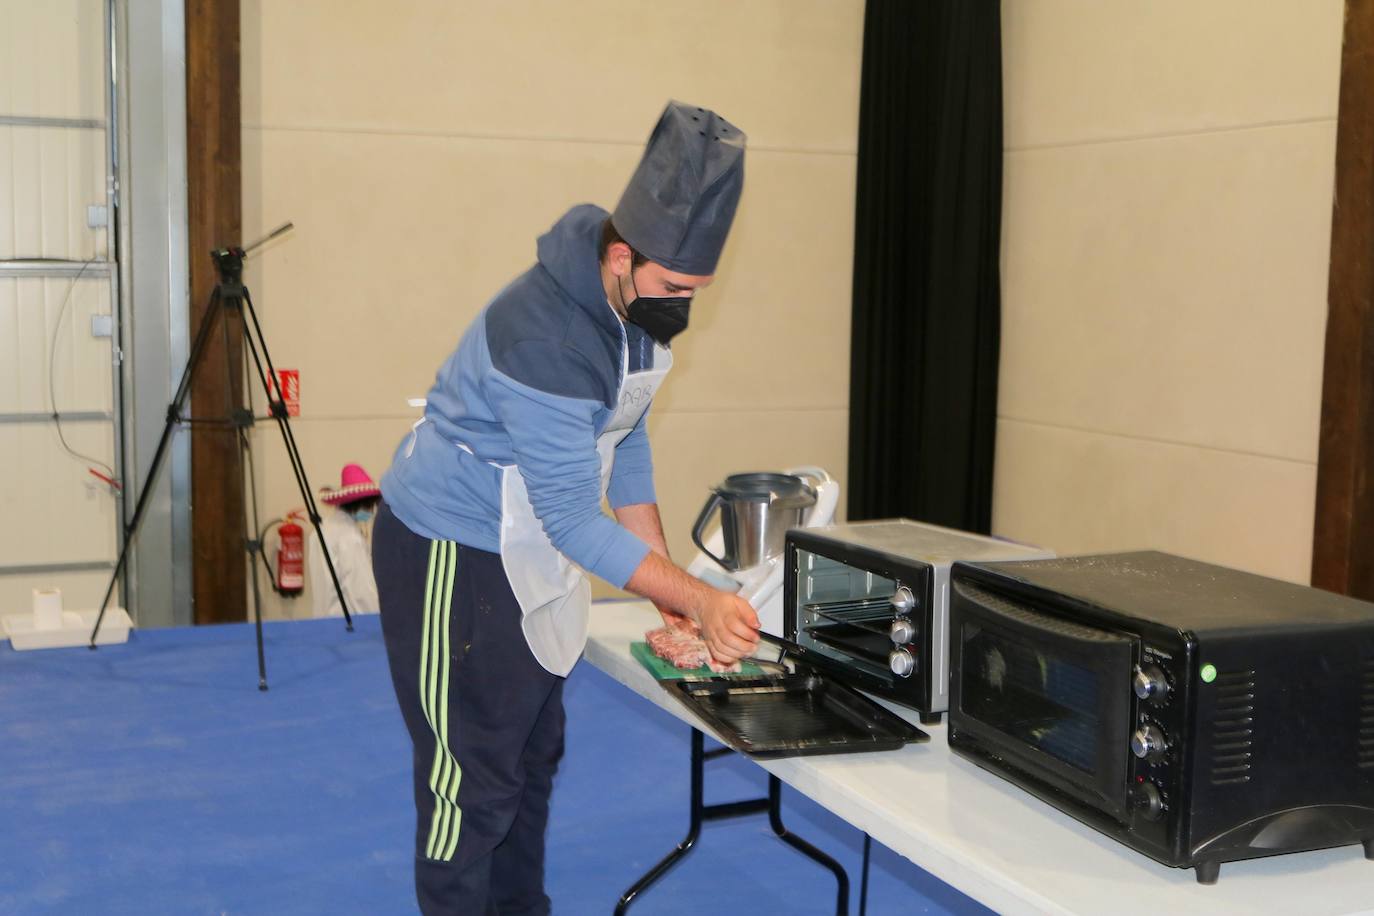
(290, 578)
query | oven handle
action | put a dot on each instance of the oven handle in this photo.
(1016, 615)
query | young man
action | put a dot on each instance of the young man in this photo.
(492, 511)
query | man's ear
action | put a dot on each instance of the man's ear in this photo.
(618, 257)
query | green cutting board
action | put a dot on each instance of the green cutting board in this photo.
(664, 671)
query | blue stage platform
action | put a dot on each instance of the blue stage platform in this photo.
(154, 777)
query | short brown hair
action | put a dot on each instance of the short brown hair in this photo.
(609, 236)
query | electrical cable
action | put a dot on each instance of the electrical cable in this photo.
(52, 374)
(40, 260)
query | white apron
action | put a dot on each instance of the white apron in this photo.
(554, 594)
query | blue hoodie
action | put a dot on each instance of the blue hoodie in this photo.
(533, 382)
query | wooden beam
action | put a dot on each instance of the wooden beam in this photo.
(1343, 537)
(215, 213)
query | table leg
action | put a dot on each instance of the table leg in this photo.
(680, 852)
(699, 812)
(811, 852)
(863, 881)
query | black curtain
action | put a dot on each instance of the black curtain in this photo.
(926, 321)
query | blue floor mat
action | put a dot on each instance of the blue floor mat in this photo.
(154, 777)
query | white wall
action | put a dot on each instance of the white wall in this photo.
(52, 62)
(1167, 207)
(1169, 171)
(422, 146)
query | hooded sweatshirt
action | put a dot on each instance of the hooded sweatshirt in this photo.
(533, 382)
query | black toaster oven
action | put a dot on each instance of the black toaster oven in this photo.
(1197, 714)
(866, 602)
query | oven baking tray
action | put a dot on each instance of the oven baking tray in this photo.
(793, 715)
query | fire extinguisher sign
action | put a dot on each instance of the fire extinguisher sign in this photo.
(287, 387)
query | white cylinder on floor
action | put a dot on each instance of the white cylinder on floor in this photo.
(47, 608)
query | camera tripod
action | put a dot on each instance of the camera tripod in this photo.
(231, 307)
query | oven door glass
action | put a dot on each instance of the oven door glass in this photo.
(1049, 695)
(844, 613)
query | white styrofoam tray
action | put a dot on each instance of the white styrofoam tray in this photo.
(75, 630)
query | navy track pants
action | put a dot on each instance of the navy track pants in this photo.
(485, 718)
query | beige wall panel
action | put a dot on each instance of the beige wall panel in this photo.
(58, 512)
(694, 450)
(1081, 70)
(325, 446)
(80, 590)
(29, 312)
(399, 243)
(1078, 492)
(401, 240)
(52, 58)
(48, 177)
(785, 71)
(421, 148)
(1171, 289)
(773, 330)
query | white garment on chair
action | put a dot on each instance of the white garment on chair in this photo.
(351, 551)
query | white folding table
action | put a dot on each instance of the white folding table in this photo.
(993, 841)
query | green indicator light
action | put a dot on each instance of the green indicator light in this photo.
(1209, 673)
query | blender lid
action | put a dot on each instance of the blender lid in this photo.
(785, 491)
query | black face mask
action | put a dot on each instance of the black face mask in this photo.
(661, 317)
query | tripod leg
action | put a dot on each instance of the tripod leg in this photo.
(174, 409)
(289, 439)
(250, 544)
(314, 510)
(250, 506)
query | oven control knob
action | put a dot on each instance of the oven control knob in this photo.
(1148, 743)
(903, 600)
(902, 632)
(1150, 684)
(1146, 799)
(901, 662)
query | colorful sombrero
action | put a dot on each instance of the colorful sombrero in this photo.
(354, 484)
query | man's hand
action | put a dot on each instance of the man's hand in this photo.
(728, 623)
(678, 621)
(729, 627)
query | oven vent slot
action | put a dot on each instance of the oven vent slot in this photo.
(1233, 729)
(1364, 741)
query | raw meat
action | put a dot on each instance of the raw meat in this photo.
(683, 650)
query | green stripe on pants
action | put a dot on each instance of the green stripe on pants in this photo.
(435, 656)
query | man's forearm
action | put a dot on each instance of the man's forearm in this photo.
(652, 580)
(727, 623)
(643, 520)
(669, 587)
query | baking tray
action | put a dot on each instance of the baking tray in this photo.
(793, 715)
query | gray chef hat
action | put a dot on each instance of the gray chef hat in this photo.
(678, 207)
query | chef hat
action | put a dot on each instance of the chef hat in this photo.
(678, 207)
